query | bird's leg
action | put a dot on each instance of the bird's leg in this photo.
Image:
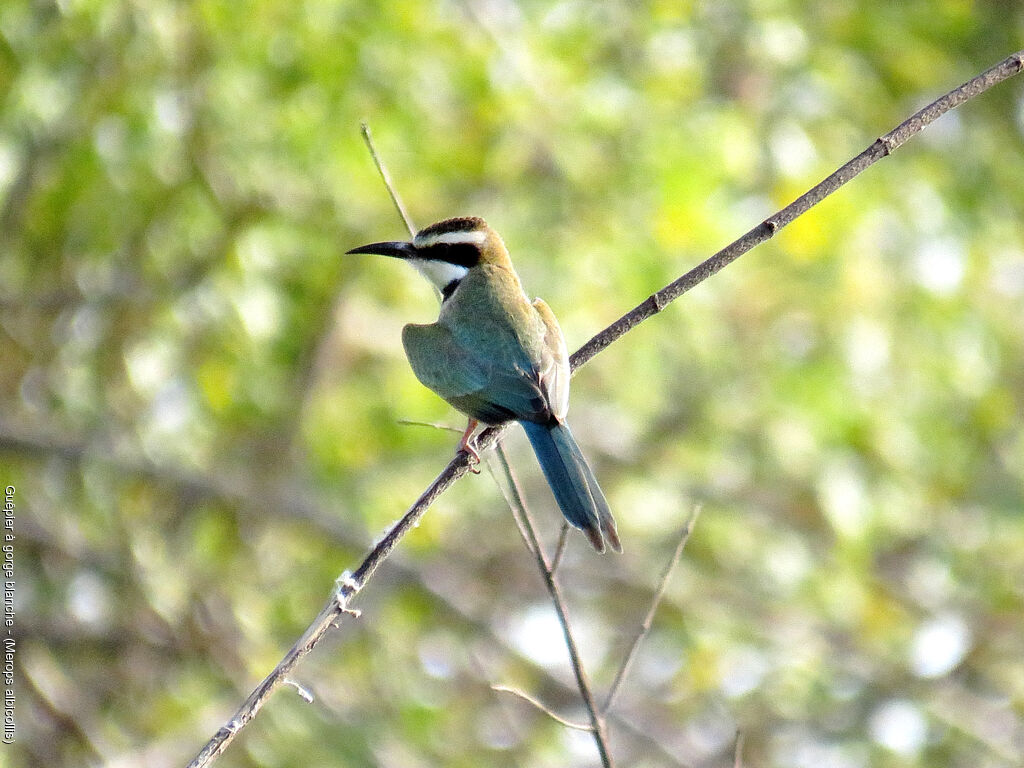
(468, 444)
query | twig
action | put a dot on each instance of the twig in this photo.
(645, 626)
(304, 693)
(458, 466)
(386, 178)
(563, 538)
(540, 705)
(506, 492)
(597, 724)
(431, 424)
(737, 757)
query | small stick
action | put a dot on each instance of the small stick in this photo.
(737, 758)
(645, 627)
(431, 424)
(597, 724)
(543, 708)
(304, 693)
(563, 538)
(386, 177)
(516, 510)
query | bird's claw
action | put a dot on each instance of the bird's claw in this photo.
(467, 445)
(474, 457)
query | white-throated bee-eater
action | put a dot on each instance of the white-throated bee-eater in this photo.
(497, 357)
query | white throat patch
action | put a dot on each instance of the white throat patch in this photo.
(440, 273)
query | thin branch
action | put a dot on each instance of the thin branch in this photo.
(506, 493)
(737, 757)
(645, 626)
(597, 724)
(431, 424)
(304, 693)
(294, 504)
(563, 538)
(458, 466)
(332, 613)
(542, 707)
(881, 147)
(386, 178)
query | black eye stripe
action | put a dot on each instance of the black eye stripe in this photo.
(461, 254)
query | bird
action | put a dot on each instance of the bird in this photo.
(497, 357)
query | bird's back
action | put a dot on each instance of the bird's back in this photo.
(490, 316)
(498, 362)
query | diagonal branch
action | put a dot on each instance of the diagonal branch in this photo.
(457, 467)
(884, 145)
(219, 484)
(515, 501)
(645, 626)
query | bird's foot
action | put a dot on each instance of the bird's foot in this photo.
(474, 459)
(468, 445)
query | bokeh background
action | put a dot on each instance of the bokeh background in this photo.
(202, 400)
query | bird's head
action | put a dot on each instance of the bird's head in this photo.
(445, 252)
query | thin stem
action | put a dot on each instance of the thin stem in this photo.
(517, 509)
(431, 424)
(240, 490)
(645, 626)
(542, 707)
(563, 538)
(586, 691)
(386, 178)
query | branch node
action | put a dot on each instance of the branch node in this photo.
(772, 226)
(346, 587)
(888, 144)
(657, 301)
(355, 613)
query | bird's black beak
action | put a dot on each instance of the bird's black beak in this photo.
(400, 250)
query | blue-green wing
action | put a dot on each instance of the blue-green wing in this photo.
(492, 391)
(440, 363)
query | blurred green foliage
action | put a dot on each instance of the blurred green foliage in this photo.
(201, 400)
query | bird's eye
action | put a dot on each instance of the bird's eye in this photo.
(461, 254)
